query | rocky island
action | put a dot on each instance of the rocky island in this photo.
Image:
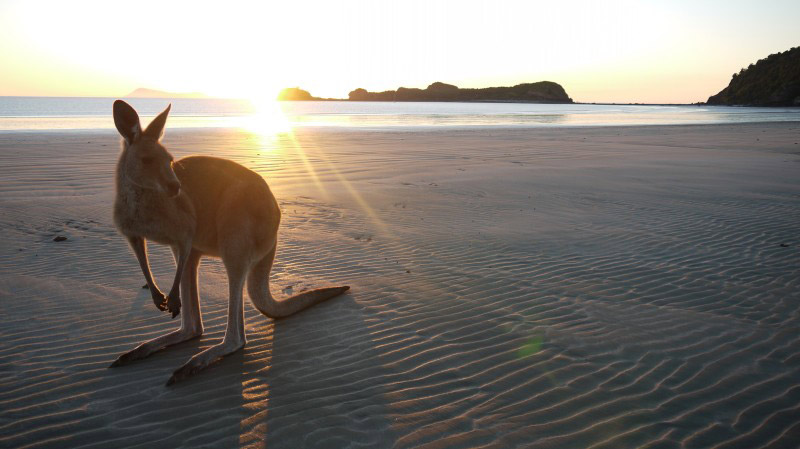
(540, 92)
(296, 94)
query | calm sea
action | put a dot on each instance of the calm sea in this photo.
(53, 113)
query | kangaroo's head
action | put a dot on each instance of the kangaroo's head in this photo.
(144, 161)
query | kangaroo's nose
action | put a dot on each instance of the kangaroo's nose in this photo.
(173, 188)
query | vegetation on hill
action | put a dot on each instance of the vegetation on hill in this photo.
(541, 92)
(295, 94)
(773, 81)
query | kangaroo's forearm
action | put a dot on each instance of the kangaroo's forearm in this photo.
(140, 249)
(183, 256)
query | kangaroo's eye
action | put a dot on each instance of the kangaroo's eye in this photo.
(148, 160)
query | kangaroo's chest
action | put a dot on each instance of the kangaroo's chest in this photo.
(161, 220)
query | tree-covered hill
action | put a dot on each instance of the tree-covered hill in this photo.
(772, 81)
(540, 92)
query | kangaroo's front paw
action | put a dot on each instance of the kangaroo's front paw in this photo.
(159, 300)
(174, 304)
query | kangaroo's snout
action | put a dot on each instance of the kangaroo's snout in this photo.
(173, 188)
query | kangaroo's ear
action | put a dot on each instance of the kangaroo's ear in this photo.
(127, 121)
(156, 128)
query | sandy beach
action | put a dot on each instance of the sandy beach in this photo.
(606, 287)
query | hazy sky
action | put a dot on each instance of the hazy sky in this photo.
(614, 51)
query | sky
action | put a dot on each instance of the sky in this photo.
(600, 51)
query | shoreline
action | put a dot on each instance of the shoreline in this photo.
(344, 100)
(419, 129)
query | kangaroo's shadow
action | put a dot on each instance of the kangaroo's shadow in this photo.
(310, 380)
(324, 383)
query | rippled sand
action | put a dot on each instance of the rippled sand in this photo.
(560, 288)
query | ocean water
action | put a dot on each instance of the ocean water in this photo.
(91, 113)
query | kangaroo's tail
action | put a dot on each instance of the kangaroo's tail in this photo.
(258, 288)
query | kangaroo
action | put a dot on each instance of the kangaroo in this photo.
(199, 206)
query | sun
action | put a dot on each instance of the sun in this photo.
(268, 119)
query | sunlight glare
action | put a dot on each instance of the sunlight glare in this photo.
(268, 120)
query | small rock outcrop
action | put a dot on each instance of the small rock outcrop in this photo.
(295, 94)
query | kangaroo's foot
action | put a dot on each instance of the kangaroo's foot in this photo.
(203, 359)
(157, 344)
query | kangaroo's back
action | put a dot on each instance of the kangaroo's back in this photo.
(220, 189)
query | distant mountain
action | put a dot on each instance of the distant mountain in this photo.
(541, 92)
(773, 81)
(152, 93)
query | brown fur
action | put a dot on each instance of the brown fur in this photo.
(199, 206)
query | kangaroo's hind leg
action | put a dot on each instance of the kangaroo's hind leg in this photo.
(240, 225)
(234, 334)
(191, 321)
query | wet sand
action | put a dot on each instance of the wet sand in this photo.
(575, 287)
